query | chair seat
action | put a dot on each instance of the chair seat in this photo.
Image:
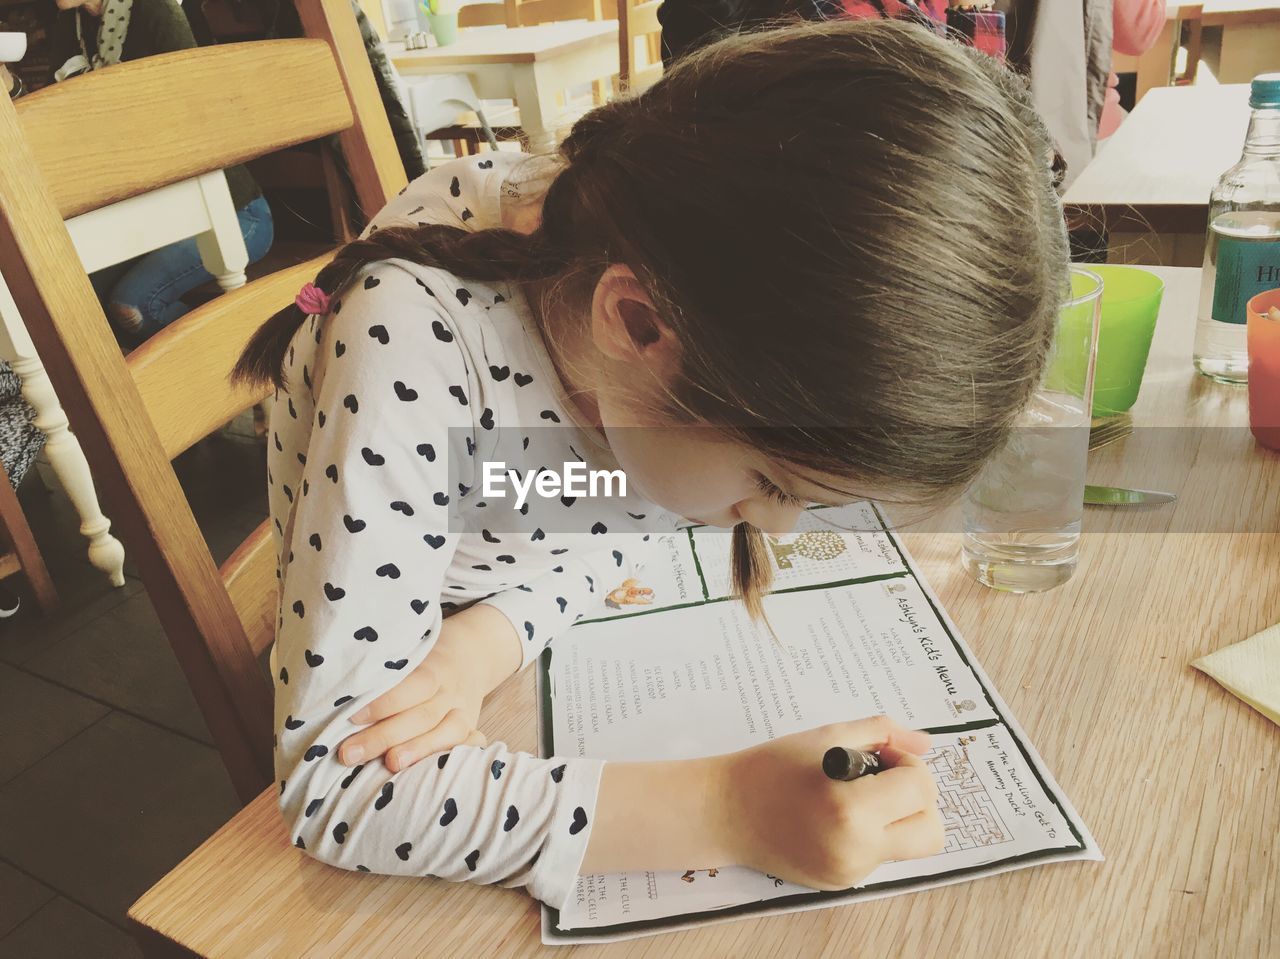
(248, 892)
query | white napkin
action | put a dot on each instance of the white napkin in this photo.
(1251, 670)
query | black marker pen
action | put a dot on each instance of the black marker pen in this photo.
(841, 762)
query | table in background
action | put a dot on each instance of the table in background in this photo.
(530, 65)
(1156, 67)
(1250, 37)
(1149, 184)
(1176, 778)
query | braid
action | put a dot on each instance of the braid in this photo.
(496, 254)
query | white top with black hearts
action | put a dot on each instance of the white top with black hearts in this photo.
(393, 400)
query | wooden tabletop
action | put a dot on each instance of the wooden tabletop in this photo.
(1164, 160)
(507, 44)
(1218, 12)
(1177, 779)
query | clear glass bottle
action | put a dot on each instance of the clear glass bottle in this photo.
(1242, 248)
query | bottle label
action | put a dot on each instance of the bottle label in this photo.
(1245, 269)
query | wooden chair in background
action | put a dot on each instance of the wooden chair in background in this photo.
(639, 45)
(21, 555)
(530, 13)
(135, 415)
(488, 15)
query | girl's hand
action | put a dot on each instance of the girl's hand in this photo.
(437, 706)
(797, 824)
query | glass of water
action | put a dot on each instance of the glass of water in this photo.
(1022, 514)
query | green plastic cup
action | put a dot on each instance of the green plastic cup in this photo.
(1071, 358)
(444, 27)
(1130, 303)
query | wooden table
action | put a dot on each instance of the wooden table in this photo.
(1250, 37)
(530, 65)
(1177, 779)
(1154, 175)
(1156, 67)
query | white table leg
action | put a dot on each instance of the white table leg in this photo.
(535, 95)
(222, 249)
(65, 455)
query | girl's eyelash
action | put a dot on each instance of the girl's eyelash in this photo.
(777, 495)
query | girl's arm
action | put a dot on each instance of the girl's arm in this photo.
(362, 499)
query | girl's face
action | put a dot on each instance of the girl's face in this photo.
(696, 472)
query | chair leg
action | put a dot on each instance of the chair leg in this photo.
(24, 546)
(487, 131)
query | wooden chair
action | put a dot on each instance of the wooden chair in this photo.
(529, 13)
(23, 556)
(134, 416)
(639, 45)
(488, 15)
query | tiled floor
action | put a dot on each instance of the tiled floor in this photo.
(107, 775)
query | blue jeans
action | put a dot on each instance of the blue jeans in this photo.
(143, 296)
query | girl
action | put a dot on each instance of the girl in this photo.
(740, 289)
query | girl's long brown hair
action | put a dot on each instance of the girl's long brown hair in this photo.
(851, 227)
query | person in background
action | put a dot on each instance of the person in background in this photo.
(689, 25)
(280, 18)
(1135, 26)
(142, 296)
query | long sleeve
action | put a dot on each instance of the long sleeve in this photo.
(552, 602)
(365, 455)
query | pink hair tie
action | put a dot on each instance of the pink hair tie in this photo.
(312, 300)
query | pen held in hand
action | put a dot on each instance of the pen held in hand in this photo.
(843, 763)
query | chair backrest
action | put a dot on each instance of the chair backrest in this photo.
(639, 45)
(487, 14)
(147, 123)
(530, 13)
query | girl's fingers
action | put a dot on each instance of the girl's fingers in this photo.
(388, 733)
(894, 756)
(453, 730)
(419, 686)
(918, 835)
(876, 732)
(912, 740)
(898, 792)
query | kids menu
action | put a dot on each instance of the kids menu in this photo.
(678, 670)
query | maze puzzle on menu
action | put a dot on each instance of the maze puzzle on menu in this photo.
(968, 812)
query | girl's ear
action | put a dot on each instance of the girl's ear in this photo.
(625, 326)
